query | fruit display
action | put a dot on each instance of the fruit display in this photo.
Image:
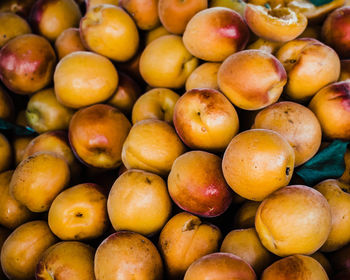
(174, 139)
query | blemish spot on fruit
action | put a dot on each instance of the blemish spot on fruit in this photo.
(79, 215)
(148, 181)
(287, 171)
(191, 225)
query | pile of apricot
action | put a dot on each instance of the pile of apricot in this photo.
(163, 139)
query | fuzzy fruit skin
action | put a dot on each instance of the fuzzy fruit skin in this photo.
(297, 267)
(44, 113)
(196, 184)
(297, 124)
(331, 105)
(157, 103)
(184, 239)
(125, 255)
(38, 179)
(12, 212)
(50, 18)
(306, 223)
(23, 248)
(175, 14)
(68, 41)
(110, 31)
(338, 197)
(146, 137)
(252, 79)
(27, 64)
(336, 31)
(144, 12)
(174, 73)
(84, 78)
(66, 260)
(135, 192)
(205, 119)
(258, 162)
(12, 25)
(97, 134)
(79, 212)
(214, 34)
(245, 243)
(310, 66)
(220, 266)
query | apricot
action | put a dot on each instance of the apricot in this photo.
(12, 213)
(214, 34)
(331, 105)
(27, 63)
(139, 201)
(157, 103)
(44, 113)
(68, 41)
(6, 153)
(305, 225)
(196, 184)
(258, 162)
(205, 119)
(204, 76)
(245, 215)
(335, 31)
(297, 124)
(84, 78)
(179, 62)
(155, 33)
(185, 239)
(298, 267)
(265, 45)
(152, 145)
(245, 243)
(128, 255)
(19, 145)
(126, 94)
(338, 197)
(220, 266)
(12, 25)
(110, 31)
(97, 134)
(79, 212)
(236, 5)
(280, 24)
(66, 260)
(310, 65)
(144, 12)
(38, 179)
(7, 109)
(49, 18)
(252, 79)
(175, 14)
(54, 142)
(23, 248)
